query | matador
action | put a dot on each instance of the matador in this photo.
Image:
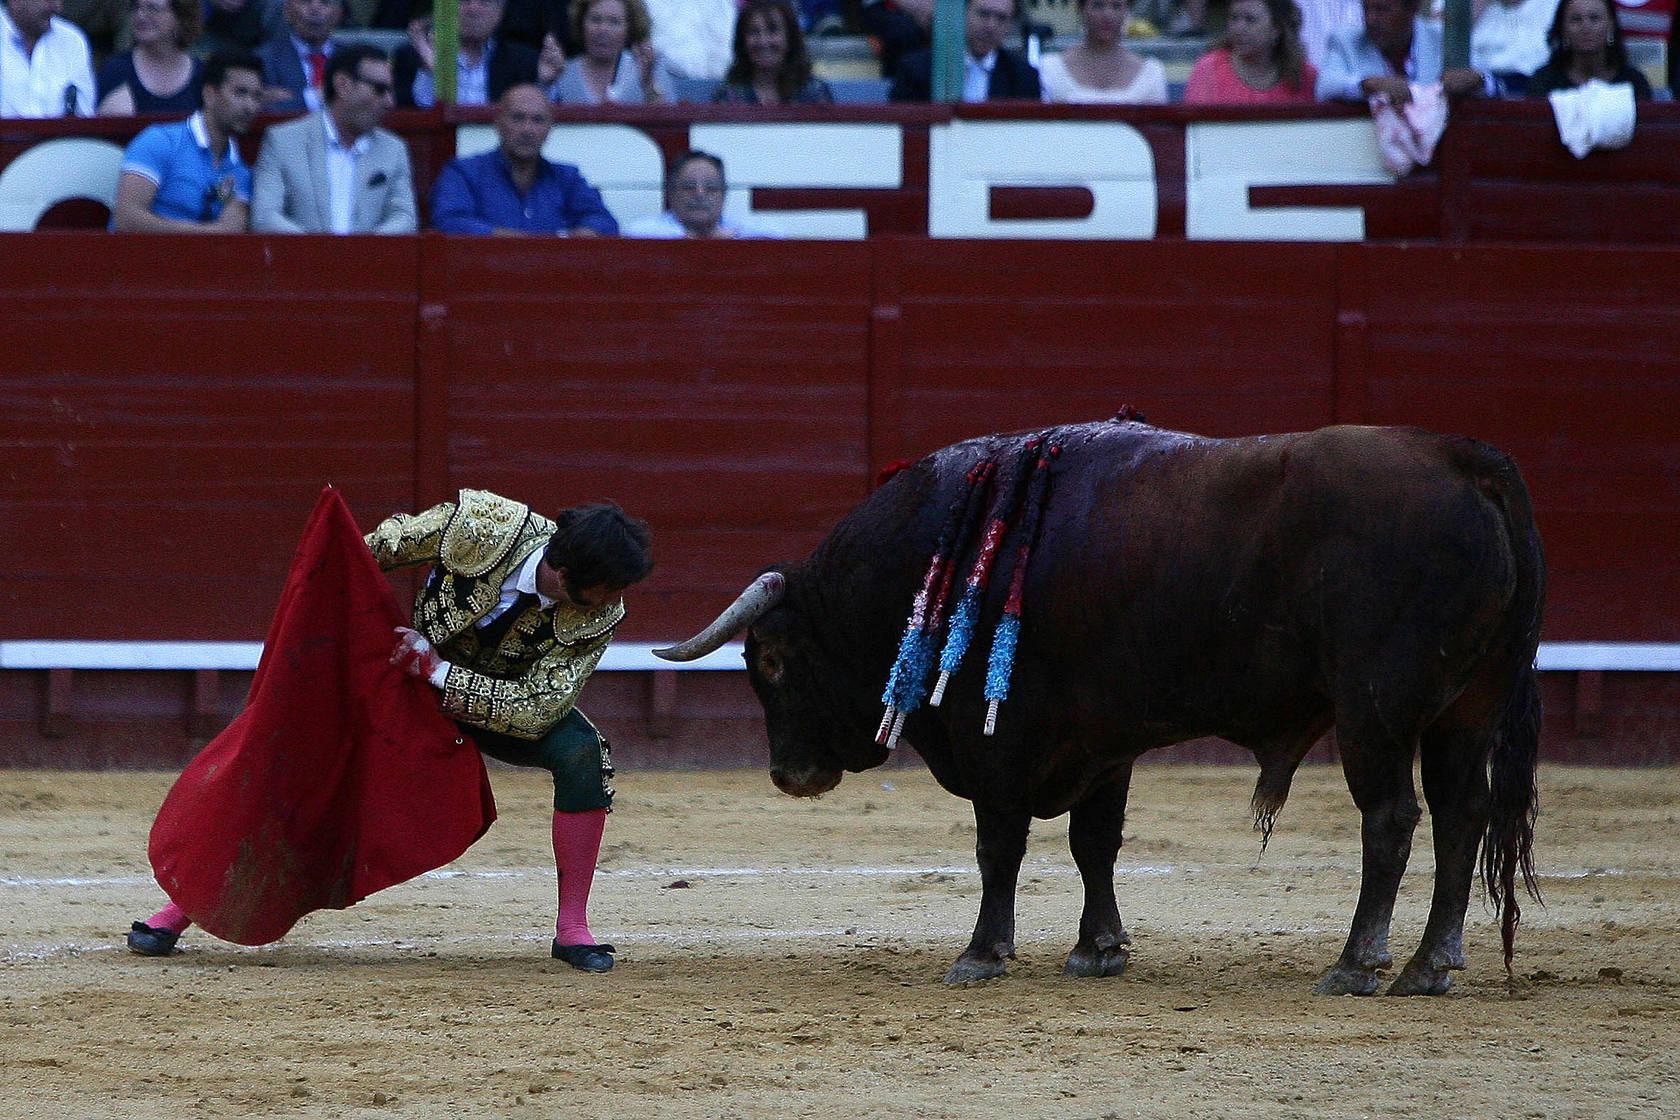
(511, 621)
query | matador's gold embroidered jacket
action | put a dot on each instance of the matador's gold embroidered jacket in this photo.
(527, 683)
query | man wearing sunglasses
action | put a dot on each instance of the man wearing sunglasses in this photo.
(337, 171)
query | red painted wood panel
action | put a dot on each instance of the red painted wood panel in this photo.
(169, 416)
(1219, 339)
(166, 420)
(1565, 358)
(719, 391)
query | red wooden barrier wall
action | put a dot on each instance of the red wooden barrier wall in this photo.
(169, 410)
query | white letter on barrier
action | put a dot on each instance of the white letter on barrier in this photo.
(805, 155)
(968, 158)
(1223, 159)
(54, 171)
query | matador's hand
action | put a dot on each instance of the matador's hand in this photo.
(414, 654)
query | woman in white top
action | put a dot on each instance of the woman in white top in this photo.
(618, 65)
(1102, 69)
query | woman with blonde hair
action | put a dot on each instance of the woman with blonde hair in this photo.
(618, 65)
(158, 75)
(1103, 69)
(1260, 61)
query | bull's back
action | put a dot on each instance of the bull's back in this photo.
(1210, 581)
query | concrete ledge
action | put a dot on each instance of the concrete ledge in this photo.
(620, 656)
(1609, 657)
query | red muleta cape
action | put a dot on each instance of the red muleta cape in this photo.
(341, 777)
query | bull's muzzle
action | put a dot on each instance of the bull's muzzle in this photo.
(806, 781)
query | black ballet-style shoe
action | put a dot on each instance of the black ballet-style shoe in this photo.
(584, 958)
(149, 942)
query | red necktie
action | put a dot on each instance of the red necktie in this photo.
(317, 68)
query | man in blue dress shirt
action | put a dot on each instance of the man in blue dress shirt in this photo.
(187, 177)
(513, 191)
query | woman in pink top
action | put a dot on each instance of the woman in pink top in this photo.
(1260, 61)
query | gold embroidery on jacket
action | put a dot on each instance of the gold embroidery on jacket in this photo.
(484, 529)
(527, 683)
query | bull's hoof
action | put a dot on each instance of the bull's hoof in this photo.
(1342, 981)
(969, 969)
(1419, 981)
(1097, 962)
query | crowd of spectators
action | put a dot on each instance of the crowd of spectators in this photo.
(488, 62)
(334, 169)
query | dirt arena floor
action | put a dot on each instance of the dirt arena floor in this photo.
(781, 958)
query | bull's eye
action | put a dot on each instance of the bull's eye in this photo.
(770, 667)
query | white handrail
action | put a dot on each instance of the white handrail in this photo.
(1611, 657)
(45, 654)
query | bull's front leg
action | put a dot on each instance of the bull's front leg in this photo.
(999, 847)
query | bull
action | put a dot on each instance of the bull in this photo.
(1387, 583)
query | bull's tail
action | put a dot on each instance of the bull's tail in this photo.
(1508, 842)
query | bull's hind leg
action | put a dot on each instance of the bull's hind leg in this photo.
(1379, 775)
(1455, 785)
(1094, 828)
(1001, 842)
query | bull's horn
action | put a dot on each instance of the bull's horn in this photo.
(761, 594)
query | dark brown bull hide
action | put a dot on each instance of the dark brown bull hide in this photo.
(1387, 583)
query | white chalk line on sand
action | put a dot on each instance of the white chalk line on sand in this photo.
(637, 873)
(17, 953)
(692, 939)
(1027, 871)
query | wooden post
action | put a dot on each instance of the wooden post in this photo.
(662, 703)
(949, 46)
(1455, 46)
(446, 46)
(61, 687)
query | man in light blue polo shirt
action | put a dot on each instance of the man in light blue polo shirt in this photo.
(187, 177)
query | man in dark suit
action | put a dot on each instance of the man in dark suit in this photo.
(489, 63)
(295, 61)
(899, 27)
(990, 73)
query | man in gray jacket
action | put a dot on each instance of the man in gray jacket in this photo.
(337, 171)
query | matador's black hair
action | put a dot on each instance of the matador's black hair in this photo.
(600, 545)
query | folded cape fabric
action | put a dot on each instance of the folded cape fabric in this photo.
(1595, 114)
(341, 777)
(1407, 135)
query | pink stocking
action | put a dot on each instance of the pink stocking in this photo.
(170, 918)
(577, 843)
